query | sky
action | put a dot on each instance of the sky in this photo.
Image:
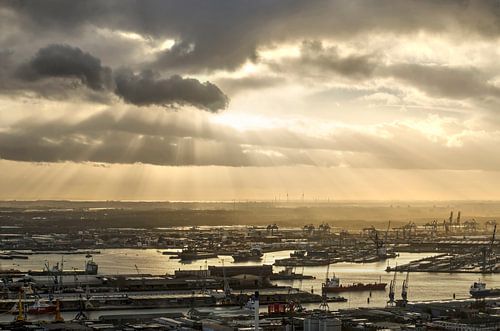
(250, 99)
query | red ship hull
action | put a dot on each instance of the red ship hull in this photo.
(42, 310)
(355, 287)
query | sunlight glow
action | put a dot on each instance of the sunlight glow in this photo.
(243, 122)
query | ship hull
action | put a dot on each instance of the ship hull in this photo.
(355, 288)
(42, 311)
(199, 256)
(246, 258)
(486, 293)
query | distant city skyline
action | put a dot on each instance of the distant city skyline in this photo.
(222, 100)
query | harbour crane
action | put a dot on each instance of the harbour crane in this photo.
(379, 244)
(309, 229)
(227, 289)
(324, 227)
(488, 252)
(324, 302)
(387, 231)
(392, 289)
(272, 227)
(404, 289)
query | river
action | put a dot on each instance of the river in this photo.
(422, 286)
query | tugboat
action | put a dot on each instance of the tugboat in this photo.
(255, 254)
(41, 307)
(479, 290)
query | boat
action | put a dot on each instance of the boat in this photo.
(40, 307)
(336, 299)
(189, 254)
(255, 254)
(299, 253)
(332, 285)
(303, 262)
(91, 268)
(289, 274)
(479, 290)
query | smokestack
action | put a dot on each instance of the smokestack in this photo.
(256, 305)
(458, 218)
(451, 217)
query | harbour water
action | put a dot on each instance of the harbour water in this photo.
(422, 286)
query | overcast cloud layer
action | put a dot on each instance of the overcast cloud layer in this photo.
(360, 84)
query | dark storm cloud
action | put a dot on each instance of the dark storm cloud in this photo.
(144, 89)
(64, 61)
(67, 62)
(225, 34)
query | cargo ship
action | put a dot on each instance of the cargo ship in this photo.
(289, 274)
(189, 254)
(479, 290)
(332, 285)
(255, 254)
(91, 268)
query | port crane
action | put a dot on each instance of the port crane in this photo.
(227, 288)
(379, 243)
(272, 228)
(488, 254)
(392, 289)
(404, 289)
(324, 302)
(387, 231)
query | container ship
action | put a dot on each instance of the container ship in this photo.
(332, 285)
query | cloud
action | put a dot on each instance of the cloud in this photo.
(71, 63)
(67, 62)
(251, 83)
(176, 140)
(204, 41)
(317, 63)
(144, 89)
(444, 81)
(314, 55)
(168, 49)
